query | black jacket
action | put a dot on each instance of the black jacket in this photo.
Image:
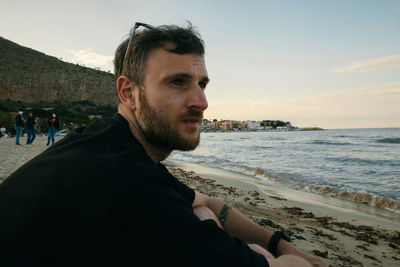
(19, 120)
(30, 123)
(96, 198)
(56, 123)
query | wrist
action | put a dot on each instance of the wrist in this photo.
(275, 241)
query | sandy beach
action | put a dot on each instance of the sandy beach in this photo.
(13, 156)
(342, 237)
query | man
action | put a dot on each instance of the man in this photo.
(101, 196)
(30, 128)
(19, 126)
(53, 125)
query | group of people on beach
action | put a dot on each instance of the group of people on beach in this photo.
(28, 125)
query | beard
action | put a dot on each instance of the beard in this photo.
(159, 132)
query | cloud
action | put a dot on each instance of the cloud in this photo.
(372, 65)
(91, 59)
(371, 106)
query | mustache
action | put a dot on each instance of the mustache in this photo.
(193, 113)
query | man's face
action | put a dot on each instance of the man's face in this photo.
(171, 104)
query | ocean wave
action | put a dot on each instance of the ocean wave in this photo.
(276, 138)
(249, 171)
(320, 142)
(389, 140)
(261, 172)
(260, 147)
(358, 197)
(300, 180)
(222, 163)
(369, 172)
(194, 158)
(363, 162)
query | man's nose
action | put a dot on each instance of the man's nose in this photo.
(197, 98)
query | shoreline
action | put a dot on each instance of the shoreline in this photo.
(358, 200)
(342, 238)
(317, 203)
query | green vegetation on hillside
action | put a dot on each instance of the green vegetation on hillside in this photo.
(274, 123)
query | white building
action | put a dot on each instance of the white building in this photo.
(253, 125)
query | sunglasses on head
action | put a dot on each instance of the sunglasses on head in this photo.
(132, 34)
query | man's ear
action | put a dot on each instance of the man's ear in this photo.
(126, 90)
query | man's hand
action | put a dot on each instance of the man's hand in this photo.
(285, 248)
(282, 261)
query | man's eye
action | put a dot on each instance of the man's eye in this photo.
(177, 82)
(203, 85)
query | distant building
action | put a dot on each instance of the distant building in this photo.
(226, 125)
(229, 125)
(214, 125)
(253, 125)
(239, 125)
(206, 124)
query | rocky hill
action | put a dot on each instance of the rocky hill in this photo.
(30, 76)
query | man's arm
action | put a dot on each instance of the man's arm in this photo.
(238, 225)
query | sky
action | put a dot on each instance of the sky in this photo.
(330, 64)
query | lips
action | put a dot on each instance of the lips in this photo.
(192, 120)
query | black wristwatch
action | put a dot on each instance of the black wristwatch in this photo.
(274, 241)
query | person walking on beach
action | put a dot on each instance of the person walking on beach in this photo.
(19, 126)
(102, 196)
(30, 128)
(53, 125)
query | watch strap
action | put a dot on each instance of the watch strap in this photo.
(274, 241)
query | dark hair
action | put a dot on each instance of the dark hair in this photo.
(186, 40)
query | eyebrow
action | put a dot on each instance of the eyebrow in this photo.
(186, 76)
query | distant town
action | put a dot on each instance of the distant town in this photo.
(250, 126)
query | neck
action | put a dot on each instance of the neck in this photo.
(156, 153)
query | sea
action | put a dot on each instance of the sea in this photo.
(357, 165)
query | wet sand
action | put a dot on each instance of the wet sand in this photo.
(341, 235)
